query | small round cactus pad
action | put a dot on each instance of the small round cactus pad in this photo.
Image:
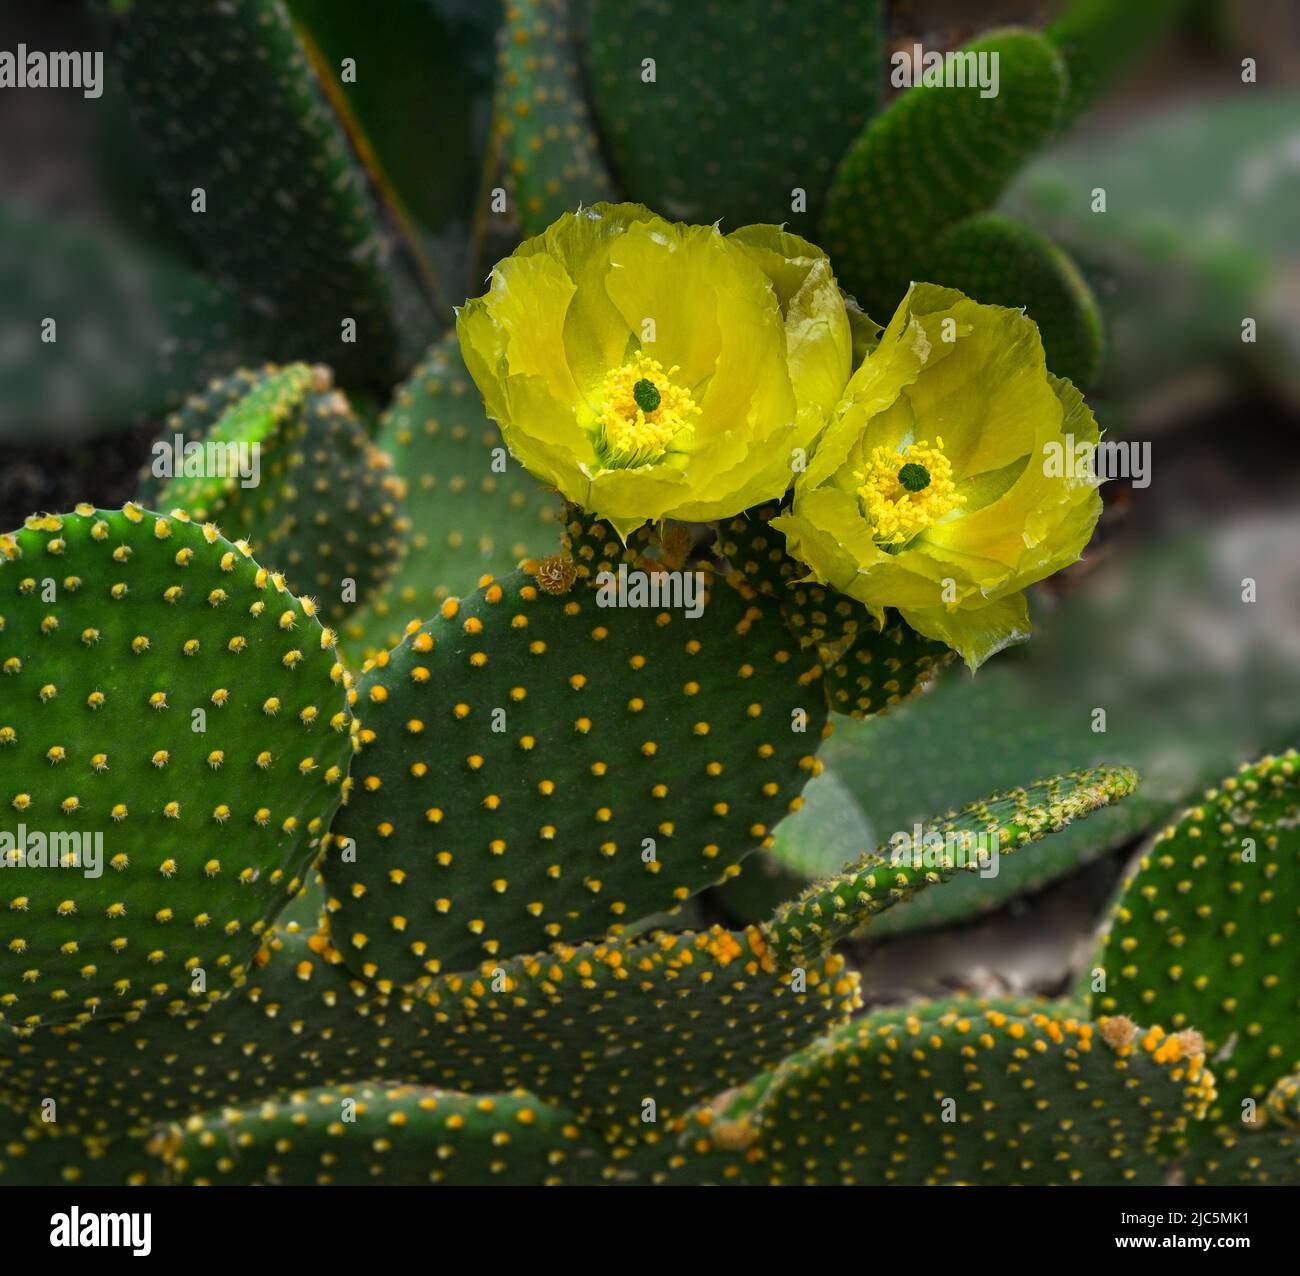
(174, 740)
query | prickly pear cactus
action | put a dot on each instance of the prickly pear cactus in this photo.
(987, 1097)
(537, 767)
(176, 741)
(301, 481)
(472, 509)
(364, 785)
(1198, 936)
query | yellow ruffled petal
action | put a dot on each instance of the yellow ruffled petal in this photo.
(649, 370)
(932, 491)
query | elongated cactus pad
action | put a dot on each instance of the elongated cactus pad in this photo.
(370, 1135)
(428, 64)
(715, 110)
(972, 1096)
(935, 156)
(550, 151)
(626, 1034)
(1099, 39)
(472, 508)
(227, 105)
(1201, 936)
(537, 766)
(970, 840)
(322, 505)
(1181, 724)
(171, 716)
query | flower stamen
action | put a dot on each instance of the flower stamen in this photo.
(902, 500)
(640, 415)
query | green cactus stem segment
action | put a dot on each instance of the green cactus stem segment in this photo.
(913, 477)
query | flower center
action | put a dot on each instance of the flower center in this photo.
(640, 415)
(905, 492)
(915, 478)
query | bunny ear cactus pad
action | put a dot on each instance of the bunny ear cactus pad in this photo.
(601, 1028)
(167, 704)
(596, 1029)
(721, 110)
(552, 156)
(225, 102)
(36, 1153)
(386, 1136)
(472, 507)
(888, 207)
(1000, 262)
(969, 840)
(1202, 935)
(539, 767)
(972, 1096)
(322, 503)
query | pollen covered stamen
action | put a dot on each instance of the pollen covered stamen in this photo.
(640, 415)
(905, 492)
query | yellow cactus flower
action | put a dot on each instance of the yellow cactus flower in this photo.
(955, 471)
(649, 369)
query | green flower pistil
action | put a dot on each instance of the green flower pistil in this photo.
(905, 492)
(640, 416)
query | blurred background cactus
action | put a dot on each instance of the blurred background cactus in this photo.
(464, 880)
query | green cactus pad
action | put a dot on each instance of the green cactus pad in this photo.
(224, 99)
(972, 1096)
(867, 669)
(428, 64)
(36, 1154)
(162, 692)
(833, 909)
(1002, 263)
(748, 104)
(934, 157)
(396, 1136)
(1099, 39)
(603, 1028)
(597, 1029)
(326, 509)
(473, 509)
(551, 155)
(594, 547)
(688, 737)
(1266, 1157)
(297, 1021)
(1200, 935)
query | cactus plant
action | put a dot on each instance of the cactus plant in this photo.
(1195, 937)
(967, 736)
(431, 769)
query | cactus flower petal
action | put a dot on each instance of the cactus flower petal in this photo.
(956, 471)
(651, 370)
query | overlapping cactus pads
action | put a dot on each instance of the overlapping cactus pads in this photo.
(599, 455)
